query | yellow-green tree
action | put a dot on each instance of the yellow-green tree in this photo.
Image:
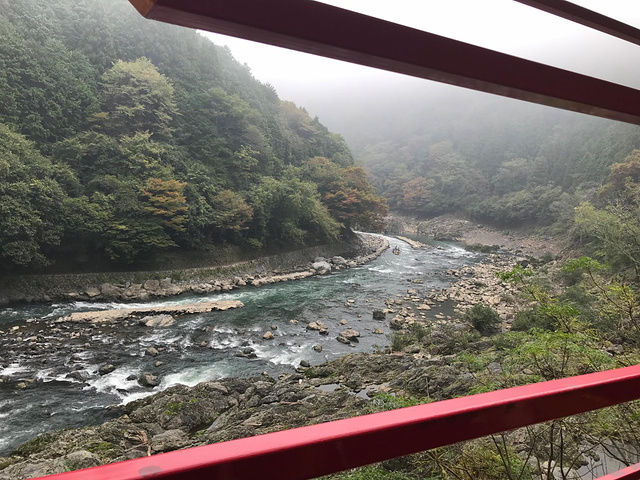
(164, 200)
(135, 97)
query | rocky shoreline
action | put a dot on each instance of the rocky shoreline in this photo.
(451, 228)
(144, 286)
(181, 417)
(471, 285)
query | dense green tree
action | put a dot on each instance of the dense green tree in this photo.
(47, 90)
(347, 194)
(289, 212)
(611, 228)
(33, 201)
(164, 200)
(135, 97)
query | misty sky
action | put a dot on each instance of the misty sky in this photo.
(502, 25)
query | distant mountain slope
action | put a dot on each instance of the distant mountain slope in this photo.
(431, 149)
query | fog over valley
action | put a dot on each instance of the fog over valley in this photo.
(204, 239)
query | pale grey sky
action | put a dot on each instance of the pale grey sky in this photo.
(503, 25)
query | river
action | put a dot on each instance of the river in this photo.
(199, 347)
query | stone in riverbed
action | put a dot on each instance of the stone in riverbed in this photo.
(319, 326)
(157, 321)
(151, 351)
(344, 340)
(317, 348)
(268, 336)
(396, 323)
(247, 353)
(305, 363)
(105, 369)
(80, 375)
(379, 315)
(350, 334)
(147, 379)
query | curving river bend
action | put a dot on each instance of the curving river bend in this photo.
(199, 347)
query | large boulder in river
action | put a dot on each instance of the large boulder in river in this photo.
(81, 375)
(147, 379)
(321, 268)
(105, 369)
(350, 334)
(397, 323)
(318, 326)
(151, 351)
(158, 321)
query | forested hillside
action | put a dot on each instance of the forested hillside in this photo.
(495, 160)
(121, 138)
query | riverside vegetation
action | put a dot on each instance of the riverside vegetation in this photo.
(124, 143)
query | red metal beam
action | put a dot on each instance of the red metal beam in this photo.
(314, 27)
(629, 473)
(317, 450)
(588, 18)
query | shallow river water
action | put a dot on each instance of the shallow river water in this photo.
(199, 347)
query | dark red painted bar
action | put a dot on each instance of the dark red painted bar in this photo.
(317, 450)
(588, 18)
(321, 29)
(629, 473)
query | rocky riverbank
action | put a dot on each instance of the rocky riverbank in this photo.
(144, 286)
(230, 408)
(422, 363)
(210, 412)
(450, 228)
